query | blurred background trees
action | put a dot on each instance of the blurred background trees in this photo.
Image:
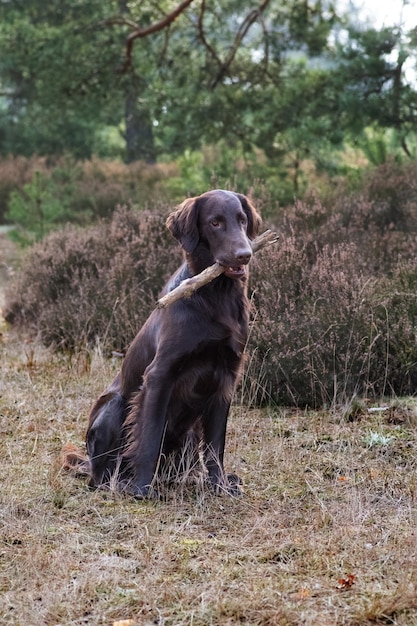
(285, 80)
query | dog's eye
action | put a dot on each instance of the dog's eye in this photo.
(215, 223)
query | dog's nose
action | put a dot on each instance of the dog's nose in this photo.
(243, 256)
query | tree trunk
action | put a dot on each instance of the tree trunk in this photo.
(139, 138)
(139, 131)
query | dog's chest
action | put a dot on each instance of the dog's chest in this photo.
(207, 372)
(227, 322)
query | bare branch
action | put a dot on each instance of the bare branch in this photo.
(251, 17)
(190, 285)
(203, 37)
(224, 65)
(148, 30)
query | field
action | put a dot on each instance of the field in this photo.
(325, 535)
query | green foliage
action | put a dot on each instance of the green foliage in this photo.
(373, 86)
(56, 67)
(225, 167)
(36, 208)
(295, 82)
(37, 195)
(48, 200)
(192, 175)
(84, 191)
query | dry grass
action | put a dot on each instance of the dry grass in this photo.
(328, 495)
(325, 497)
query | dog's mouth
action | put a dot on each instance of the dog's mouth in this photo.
(236, 272)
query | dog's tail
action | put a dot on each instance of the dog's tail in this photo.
(74, 461)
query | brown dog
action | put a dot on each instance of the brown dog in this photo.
(178, 377)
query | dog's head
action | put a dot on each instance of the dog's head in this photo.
(192, 220)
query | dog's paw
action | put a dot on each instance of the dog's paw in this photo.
(144, 493)
(234, 479)
(231, 487)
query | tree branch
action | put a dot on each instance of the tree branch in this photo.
(203, 38)
(251, 17)
(148, 30)
(187, 287)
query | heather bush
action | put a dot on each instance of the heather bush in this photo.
(336, 303)
(316, 337)
(398, 304)
(105, 184)
(98, 283)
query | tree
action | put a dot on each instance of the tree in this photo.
(72, 67)
(176, 75)
(55, 74)
(372, 83)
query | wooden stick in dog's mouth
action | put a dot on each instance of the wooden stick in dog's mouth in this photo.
(187, 287)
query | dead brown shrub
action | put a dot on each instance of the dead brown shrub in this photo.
(100, 283)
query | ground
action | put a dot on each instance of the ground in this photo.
(325, 534)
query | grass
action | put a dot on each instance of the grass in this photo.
(325, 498)
(325, 534)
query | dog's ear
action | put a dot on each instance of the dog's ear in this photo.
(254, 219)
(183, 224)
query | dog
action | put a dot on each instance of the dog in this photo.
(178, 376)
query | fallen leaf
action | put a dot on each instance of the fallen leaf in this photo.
(347, 582)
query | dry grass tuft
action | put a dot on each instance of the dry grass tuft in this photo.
(325, 497)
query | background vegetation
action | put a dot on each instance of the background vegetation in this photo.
(334, 305)
(268, 84)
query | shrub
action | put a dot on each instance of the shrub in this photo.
(37, 195)
(15, 172)
(316, 337)
(80, 285)
(36, 208)
(398, 304)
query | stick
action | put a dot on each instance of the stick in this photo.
(188, 286)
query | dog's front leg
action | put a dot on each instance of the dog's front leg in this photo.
(148, 418)
(214, 425)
